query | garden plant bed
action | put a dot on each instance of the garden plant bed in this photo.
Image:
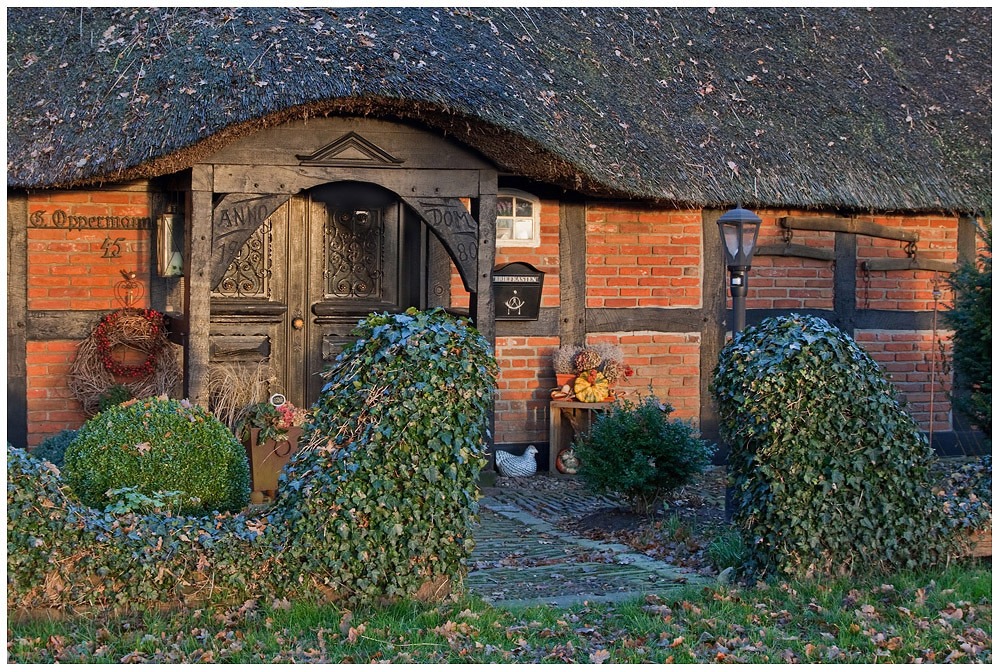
(678, 532)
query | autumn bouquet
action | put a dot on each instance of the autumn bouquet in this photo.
(273, 418)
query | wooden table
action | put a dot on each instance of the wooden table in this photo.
(569, 419)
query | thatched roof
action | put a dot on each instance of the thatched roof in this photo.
(883, 109)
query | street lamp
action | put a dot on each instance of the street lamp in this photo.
(739, 230)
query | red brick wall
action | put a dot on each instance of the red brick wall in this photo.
(907, 290)
(526, 381)
(639, 257)
(668, 362)
(68, 270)
(906, 356)
(791, 283)
(51, 406)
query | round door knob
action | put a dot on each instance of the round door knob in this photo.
(298, 323)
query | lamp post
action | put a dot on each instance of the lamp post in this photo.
(739, 229)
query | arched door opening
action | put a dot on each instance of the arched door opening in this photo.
(324, 259)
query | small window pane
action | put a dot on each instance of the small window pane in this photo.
(523, 229)
(505, 206)
(505, 227)
(524, 208)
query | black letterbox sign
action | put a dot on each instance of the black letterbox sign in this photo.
(517, 291)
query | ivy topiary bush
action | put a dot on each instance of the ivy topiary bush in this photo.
(635, 450)
(159, 445)
(378, 504)
(830, 472)
(417, 389)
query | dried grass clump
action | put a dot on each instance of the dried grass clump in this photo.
(562, 358)
(234, 386)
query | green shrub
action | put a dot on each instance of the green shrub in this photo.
(159, 445)
(636, 451)
(53, 448)
(830, 473)
(971, 317)
(377, 504)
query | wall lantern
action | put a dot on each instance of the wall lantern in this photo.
(170, 243)
(739, 229)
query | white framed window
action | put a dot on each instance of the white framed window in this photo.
(517, 219)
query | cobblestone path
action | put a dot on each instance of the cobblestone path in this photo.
(525, 555)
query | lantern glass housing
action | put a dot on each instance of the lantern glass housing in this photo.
(739, 229)
(170, 244)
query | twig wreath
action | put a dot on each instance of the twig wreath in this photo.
(96, 368)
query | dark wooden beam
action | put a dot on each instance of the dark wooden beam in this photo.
(910, 264)
(967, 238)
(890, 320)
(481, 304)
(573, 324)
(198, 272)
(547, 324)
(645, 319)
(713, 321)
(844, 225)
(845, 281)
(790, 250)
(51, 325)
(17, 320)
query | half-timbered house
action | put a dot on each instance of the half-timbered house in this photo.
(273, 174)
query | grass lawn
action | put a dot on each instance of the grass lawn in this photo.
(944, 616)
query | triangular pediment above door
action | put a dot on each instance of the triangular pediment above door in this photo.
(350, 150)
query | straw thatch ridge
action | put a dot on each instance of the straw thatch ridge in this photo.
(855, 109)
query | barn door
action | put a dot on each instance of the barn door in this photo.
(321, 262)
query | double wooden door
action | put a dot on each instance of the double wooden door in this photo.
(318, 264)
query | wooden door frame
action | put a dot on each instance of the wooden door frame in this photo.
(219, 201)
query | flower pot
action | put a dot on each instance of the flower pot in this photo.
(565, 379)
(267, 459)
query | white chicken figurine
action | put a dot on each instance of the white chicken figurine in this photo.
(517, 465)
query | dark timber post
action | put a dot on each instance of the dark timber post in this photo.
(713, 327)
(482, 308)
(17, 320)
(198, 270)
(845, 281)
(572, 273)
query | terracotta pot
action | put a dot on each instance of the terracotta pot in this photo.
(565, 379)
(267, 460)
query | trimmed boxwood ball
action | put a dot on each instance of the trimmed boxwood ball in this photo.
(159, 445)
(376, 505)
(830, 472)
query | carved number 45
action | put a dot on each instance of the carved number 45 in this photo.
(112, 248)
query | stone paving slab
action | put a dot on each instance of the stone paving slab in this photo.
(523, 559)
